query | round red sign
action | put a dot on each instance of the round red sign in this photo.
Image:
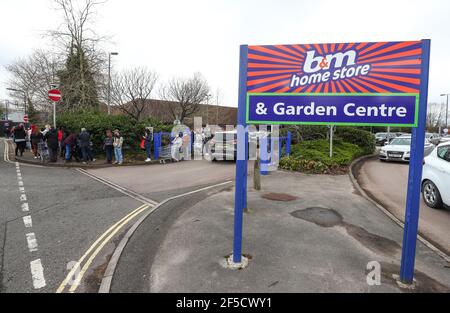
(25, 118)
(54, 95)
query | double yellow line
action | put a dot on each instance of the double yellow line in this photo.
(78, 271)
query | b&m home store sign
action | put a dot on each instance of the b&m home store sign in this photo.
(370, 83)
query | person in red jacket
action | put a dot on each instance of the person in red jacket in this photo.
(60, 137)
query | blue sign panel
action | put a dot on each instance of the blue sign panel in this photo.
(337, 109)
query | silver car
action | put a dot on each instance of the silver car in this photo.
(399, 149)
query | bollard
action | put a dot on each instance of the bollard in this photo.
(264, 155)
(288, 143)
(156, 144)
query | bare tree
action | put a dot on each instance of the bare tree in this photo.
(131, 89)
(85, 64)
(35, 75)
(435, 115)
(187, 93)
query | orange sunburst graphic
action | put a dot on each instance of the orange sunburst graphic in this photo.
(394, 68)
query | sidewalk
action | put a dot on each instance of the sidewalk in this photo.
(28, 157)
(319, 240)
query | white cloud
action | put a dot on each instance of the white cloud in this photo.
(177, 37)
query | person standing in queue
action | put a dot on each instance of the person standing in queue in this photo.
(118, 143)
(20, 139)
(148, 138)
(85, 145)
(69, 144)
(51, 138)
(108, 146)
(35, 138)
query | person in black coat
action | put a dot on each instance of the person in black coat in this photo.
(52, 143)
(20, 139)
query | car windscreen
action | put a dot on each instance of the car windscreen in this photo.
(401, 142)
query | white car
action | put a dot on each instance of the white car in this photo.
(399, 149)
(436, 177)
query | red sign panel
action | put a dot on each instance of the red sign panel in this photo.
(54, 95)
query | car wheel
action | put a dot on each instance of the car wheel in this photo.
(431, 195)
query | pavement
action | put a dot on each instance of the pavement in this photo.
(387, 184)
(319, 238)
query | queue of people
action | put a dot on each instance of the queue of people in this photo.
(69, 145)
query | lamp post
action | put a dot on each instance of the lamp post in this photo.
(446, 112)
(109, 80)
(24, 97)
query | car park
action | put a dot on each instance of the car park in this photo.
(436, 177)
(223, 146)
(382, 138)
(434, 138)
(399, 149)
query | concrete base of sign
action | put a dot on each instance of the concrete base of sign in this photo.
(228, 263)
(404, 285)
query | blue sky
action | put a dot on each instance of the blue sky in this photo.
(178, 38)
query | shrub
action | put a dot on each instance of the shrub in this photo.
(362, 138)
(97, 123)
(313, 156)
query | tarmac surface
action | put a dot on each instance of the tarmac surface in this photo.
(387, 184)
(321, 239)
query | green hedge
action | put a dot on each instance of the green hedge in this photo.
(362, 138)
(97, 123)
(313, 156)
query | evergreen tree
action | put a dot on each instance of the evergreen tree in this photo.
(78, 85)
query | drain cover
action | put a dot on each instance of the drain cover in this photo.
(321, 216)
(279, 197)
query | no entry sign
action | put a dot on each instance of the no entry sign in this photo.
(54, 95)
(370, 83)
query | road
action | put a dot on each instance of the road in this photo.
(52, 218)
(387, 183)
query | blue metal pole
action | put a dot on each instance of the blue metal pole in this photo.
(415, 174)
(240, 196)
(288, 143)
(156, 144)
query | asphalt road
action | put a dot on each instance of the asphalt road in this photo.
(160, 182)
(68, 211)
(387, 183)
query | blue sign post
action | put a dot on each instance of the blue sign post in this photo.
(415, 175)
(240, 198)
(360, 84)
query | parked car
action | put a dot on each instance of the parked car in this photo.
(223, 146)
(445, 139)
(433, 138)
(381, 138)
(399, 149)
(436, 177)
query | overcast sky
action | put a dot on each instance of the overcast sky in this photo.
(180, 37)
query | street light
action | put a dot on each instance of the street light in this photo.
(446, 112)
(109, 80)
(24, 97)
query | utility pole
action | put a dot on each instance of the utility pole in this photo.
(109, 80)
(446, 111)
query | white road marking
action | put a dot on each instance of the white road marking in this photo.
(27, 221)
(32, 242)
(20, 183)
(25, 207)
(23, 197)
(37, 272)
(22, 189)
